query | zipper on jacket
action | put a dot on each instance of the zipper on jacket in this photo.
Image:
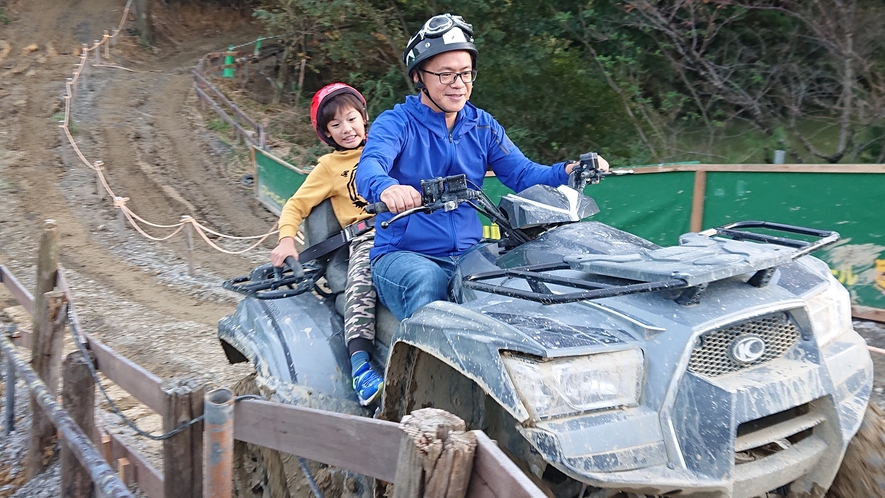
(454, 231)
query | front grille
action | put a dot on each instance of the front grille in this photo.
(712, 356)
(757, 439)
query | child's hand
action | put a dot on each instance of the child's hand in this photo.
(284, 249)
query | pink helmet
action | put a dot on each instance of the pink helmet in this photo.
(322, 97)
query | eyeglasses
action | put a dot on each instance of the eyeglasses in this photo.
(448, 78)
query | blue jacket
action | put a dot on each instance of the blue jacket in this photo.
(410, 143)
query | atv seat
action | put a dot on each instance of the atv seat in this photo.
(321, 224)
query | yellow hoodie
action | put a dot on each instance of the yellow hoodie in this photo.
(332, 178)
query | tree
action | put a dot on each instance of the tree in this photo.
(778, 65)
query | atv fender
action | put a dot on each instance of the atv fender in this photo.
(468, 342)
(296, 341)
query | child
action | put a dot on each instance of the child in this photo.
(339, 116)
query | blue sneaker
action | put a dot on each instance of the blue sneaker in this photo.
(367, 383)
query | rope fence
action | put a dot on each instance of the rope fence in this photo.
(187, 223)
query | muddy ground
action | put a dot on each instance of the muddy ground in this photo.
(135, 295)
(143, 122)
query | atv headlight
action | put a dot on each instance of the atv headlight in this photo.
(830, 312)
(569, 386)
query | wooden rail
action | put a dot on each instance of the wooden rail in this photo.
(203, 88)
(314, 434)
(320, 435)
(764, 168)
(138, 382)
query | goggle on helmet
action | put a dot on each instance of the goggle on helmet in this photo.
(440, 34)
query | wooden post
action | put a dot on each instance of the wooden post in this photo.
(47, 270)
(697, 201)
(64, 143)
(189, 243)
(71, 87)
(142, 10)
(107, 450)
(99, 188)
(107, 45)
(119, 202)
(78, 399)
(97, 51)
(124, 471)
(78, 84)
(46, 348)
(114, 36)
(435, 456)
(183, 452)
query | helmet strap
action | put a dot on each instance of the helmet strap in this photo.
(423, 88)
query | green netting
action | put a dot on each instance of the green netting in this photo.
(657, 207)
(275, 181)
(851, 204)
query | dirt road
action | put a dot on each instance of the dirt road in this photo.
(135, 295)
(140, 124)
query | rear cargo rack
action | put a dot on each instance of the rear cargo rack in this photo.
(690, 266)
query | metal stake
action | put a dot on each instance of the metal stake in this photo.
(218, 450)
(10, 396)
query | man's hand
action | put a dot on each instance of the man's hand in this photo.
(284, 249)
(400, 197)
(603, 165)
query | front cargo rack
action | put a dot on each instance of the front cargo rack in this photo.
(698, 260)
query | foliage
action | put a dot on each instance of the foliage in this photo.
(59, 117)
(3, 18)
(640, 81)
(218, 125)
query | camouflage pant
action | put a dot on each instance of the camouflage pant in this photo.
(359, 297)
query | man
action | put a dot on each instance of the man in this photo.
(438, 133)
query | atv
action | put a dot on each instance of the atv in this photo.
(724, 366)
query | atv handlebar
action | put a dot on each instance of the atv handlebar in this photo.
(587, 171)
(377, 208)
(293, 264)
(445, 193)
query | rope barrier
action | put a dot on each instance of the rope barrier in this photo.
(119, 203)
(225, 251)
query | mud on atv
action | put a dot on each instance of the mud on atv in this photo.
(724, 366)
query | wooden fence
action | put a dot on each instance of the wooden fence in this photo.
(325, 437)
(245, 128)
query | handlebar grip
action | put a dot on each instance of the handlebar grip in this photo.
(377, 208)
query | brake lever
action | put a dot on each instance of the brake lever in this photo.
(407, 212)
